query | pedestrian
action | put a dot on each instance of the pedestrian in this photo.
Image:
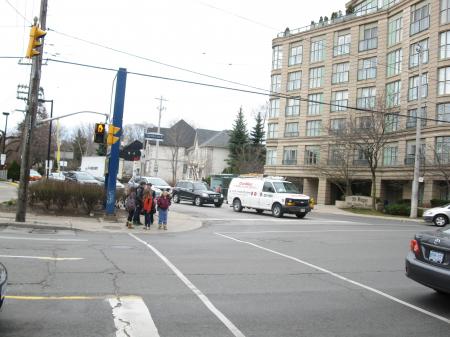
(163, 208)
(149, 208)
(130, 206)
(139, 203)
(219, 188)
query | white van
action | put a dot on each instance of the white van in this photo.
(267, 194)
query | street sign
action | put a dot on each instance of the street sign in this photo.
(2, 159)
(153, 135)
(63, 163)
(47, 165)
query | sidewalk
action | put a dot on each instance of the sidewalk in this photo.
(331, 209)
(178, 222)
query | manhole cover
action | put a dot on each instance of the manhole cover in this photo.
(43, 231)
(112, 227)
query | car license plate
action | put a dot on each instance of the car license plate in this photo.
(302, 210)
(216, 200)
(436, 257)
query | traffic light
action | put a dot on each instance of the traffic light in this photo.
(99, 133)
(35, 35)
(112, 131)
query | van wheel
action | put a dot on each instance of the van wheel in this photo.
(237, 206)
(259, 211)
(300, 215)
(197, 201)
(277, 211)
(176, 198)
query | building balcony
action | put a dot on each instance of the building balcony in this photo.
(360, 162)
(289, 161)
(291, 134)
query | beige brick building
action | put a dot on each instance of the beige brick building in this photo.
(351, 61)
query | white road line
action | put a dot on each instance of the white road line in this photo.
(234, 330)
(132, 318)
(323, 231)
(293, 220)
(345, 279)
(44, 257)
(40, 239)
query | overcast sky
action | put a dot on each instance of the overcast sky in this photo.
(228, 39)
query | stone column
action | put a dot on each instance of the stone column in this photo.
(430, 191)
(324, 191)
(310, 187)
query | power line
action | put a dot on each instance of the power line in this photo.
(17, 12)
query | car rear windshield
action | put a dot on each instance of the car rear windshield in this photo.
(157, 182)
(200, 187)
(84, 176)
(285, 187)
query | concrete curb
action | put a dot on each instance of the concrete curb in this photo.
(36, 226)
(347, 213)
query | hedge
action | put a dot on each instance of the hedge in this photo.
(439, 202)
(401, 209)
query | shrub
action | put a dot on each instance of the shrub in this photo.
(91, 195)
(43, 191)
(401, 209)
(439, 202)
(14, 171)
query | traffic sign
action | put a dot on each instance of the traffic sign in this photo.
(153, 135)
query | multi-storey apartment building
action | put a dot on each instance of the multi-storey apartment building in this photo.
(351, 61)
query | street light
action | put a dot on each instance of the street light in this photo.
(6, 114)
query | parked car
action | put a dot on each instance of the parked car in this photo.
(3, 282)
(268, 194)
(82, 177)
(34, 175)
(438, 215)
(196, 192)
(57, 176)
(119, 185)
(158, 184)
(428, 262)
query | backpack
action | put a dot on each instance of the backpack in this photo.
(130, 202)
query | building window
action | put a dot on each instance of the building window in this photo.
(318, 49)
(313, 128)
(411, 119)
(312, 155)
(411, 152)
(316, 77)
(294, 80)
(445, 11)
(366, 98)
(295, 53)
(274, 108)
(420, 18)
(367, 68)
(413, 89)
(290, 155)
(443, 113)
(444, 81)
(393, 94)
(395, 30)
(291, 130)
(292, 107)
(277, 57)
(342, 41)
(394, 63)
(390, 155)
(340, 73)
(272, 130)
(271, 157)
(444, 45)
(368, 37)
(276, 83)
(315, 105)
(391, 122)
(366, 7)
(414, 54)
(337, 125)
(339, 100)
(443, 150)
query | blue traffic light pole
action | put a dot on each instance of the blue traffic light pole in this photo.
(113, 162)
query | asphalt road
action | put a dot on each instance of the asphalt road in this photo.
(242, 274)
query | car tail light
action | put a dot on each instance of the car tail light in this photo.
(414, 245)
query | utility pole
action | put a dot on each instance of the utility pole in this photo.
(161, 108)
(49, 144)
(415, 183)
(30, 120)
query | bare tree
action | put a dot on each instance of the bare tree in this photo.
(248, 159)
(132, 132)
(177, 137)
(439, 160)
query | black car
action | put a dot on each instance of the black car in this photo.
(428, 262)
(3, 281)
(196, 192)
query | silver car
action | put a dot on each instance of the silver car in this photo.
(438, 215)
(158, 184)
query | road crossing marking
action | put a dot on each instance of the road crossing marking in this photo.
(132, 318)
(2, 237)
(234, 330)
(44, 257)
(322, 231)
(338, 276)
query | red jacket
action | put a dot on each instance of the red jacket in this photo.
(148, 204)
(163, 203)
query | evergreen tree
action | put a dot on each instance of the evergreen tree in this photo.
(257, 133)
(238, 141)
